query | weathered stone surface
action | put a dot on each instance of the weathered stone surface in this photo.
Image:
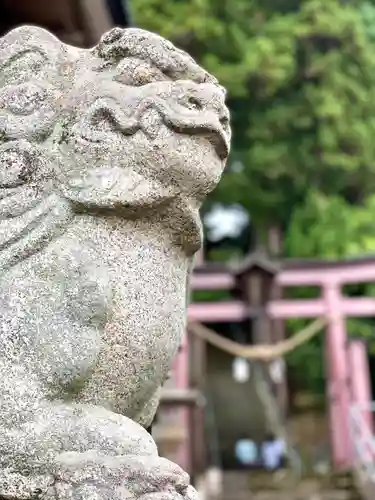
(105, 157)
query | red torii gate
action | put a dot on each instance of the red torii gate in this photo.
(347, 365)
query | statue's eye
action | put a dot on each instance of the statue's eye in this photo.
(136, 73)
(104, 121)
(192, 102)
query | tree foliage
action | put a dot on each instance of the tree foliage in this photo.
(300, 76)
(330, 228)
(301, 89)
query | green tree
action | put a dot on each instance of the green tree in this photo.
(301, 89)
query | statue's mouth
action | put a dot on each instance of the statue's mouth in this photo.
(106, 122)
(214, 132)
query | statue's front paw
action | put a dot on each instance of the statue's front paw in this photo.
(89, 491)
(188, 493)
(24, 487)
(93, 476)
(100, 491)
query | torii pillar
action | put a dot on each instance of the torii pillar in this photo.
(361, 393)
(338, 376)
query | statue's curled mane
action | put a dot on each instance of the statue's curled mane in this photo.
(48, 93)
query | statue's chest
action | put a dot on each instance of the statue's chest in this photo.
(139, 340)
(137, 284)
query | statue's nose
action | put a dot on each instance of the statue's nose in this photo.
(211, 100)
(224, 119)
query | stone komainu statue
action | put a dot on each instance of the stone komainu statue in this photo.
(105, 157)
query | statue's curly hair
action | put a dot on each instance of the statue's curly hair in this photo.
(137, 48)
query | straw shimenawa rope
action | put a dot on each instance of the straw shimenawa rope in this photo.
(264, 352)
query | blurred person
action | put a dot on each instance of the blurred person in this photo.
(273, 452)
(246, 452)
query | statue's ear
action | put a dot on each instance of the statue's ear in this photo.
(30, 52)
(106, 188)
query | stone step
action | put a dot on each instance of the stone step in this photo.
(260, 485)
(277, 495)
(324, 495)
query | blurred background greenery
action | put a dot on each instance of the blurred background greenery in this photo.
(301, 90)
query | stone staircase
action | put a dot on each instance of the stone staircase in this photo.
(281, 486)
